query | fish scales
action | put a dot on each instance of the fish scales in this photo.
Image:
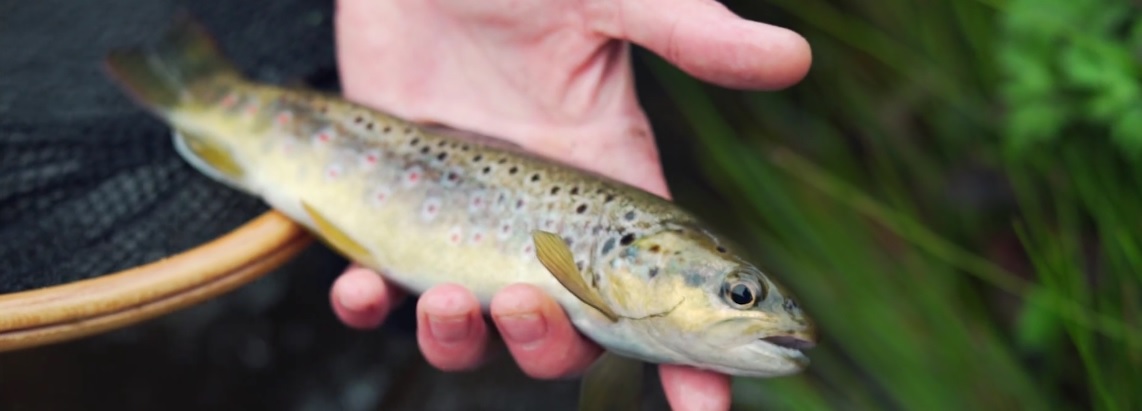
(427, 205)
(476, 203)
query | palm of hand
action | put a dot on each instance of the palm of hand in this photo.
(553, 76)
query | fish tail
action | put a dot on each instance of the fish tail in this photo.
(156, 76)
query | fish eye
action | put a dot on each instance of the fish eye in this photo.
(742, 294)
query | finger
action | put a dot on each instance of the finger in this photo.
(690, 389)
(361, 299)
(539, 335)
(707, 40)
(450, 330)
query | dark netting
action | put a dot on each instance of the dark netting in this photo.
(90, 184)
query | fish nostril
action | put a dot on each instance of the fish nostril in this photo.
(790, 342)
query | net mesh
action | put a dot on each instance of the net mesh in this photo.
(89, 183)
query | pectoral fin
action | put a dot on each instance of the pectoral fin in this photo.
(553, 253)
(612, 383)
(337, 239)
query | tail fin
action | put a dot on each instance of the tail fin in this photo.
(156, 76)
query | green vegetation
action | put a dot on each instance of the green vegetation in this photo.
(955, 193)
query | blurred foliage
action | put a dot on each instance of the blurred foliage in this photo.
(953, 192)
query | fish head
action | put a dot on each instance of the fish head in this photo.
(700, 303)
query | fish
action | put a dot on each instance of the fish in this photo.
(426, 204)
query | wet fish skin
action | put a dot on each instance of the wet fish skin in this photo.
(426, 206)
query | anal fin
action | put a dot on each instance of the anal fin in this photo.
(208, 157)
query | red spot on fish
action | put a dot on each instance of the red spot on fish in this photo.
(382, 196)
(413, 177)
(455, 238)
(527, 249)
(283, 118)
(477, 237)
(432, 208)
(229, 101)
(324, 137)
(371, 158)
(251, 109)
(333, 172)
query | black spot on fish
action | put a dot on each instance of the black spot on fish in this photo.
(574, 191)
(408, 130)
(568, 240)
(629, 216)
(513, 170)
(653, 272)
(655, 248)
(442, 143)
(487, 170)
(555, 190)
(579, 265)
(721, 249)
(627, 239)
(609, 245)
(452, 176)
(425, 150)
(534, 177)
(581, 209)
(443, 155)
(414, 142)
(610, 197)
(477, 158)
(503, 160)
(464, 147)
(387, 129)
(357, 119)
(369, 126)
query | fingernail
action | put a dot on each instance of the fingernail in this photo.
(449, 329)
(523, 328)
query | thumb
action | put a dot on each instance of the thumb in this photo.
(708, 41)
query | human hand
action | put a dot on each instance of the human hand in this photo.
(553, 76)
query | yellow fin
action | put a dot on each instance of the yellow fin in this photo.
(553, 253)
(209, 157)
(337, 239)
(613, 383)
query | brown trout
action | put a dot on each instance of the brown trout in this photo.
(423, 205)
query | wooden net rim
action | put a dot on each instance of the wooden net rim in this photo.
(84, 308)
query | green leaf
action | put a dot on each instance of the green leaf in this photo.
(1035, 122)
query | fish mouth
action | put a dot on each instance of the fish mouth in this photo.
(790, 342)
(787, 349)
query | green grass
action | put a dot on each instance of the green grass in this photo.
(955, 194)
